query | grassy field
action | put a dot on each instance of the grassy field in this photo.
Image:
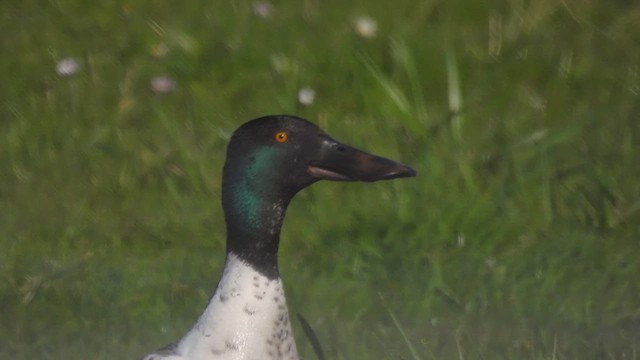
(519, 239)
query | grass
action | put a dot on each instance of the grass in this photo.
(518, 240)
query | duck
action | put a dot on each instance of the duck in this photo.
(268, 161)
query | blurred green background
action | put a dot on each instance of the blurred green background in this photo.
(519, 239)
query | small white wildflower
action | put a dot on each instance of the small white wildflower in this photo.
(262, 9)
(67, 67)
(366, 27)
(306, 96)
(163, 84)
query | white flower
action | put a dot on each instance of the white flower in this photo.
(306, 96)
(163, 84)
(366, 27)
(262, 9)
(67, 67)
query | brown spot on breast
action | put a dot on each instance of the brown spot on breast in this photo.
(215, 351)
(249, 310)
(231, 345)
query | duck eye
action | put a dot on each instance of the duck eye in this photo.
(281, 137)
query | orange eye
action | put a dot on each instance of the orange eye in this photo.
(281, 137)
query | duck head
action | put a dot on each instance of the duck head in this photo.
(268, 161)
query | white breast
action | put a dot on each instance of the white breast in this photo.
(246, 319)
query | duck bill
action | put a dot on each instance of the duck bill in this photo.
(339, 162)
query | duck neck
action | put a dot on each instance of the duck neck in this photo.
(253, 235)
(255, 202)
(254, 212)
